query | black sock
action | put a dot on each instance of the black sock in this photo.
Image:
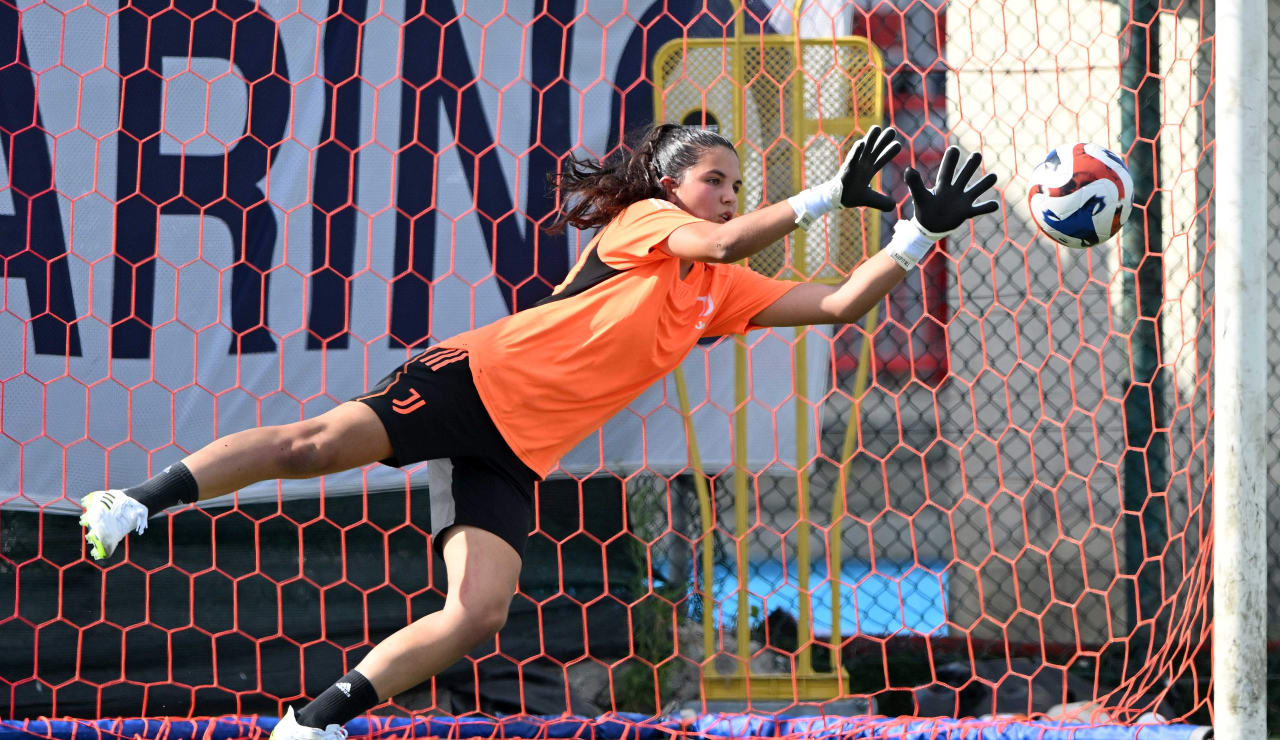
(174, 485)
(351, 695)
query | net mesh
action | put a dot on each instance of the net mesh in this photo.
(988, 498)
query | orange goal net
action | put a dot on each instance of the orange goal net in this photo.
(985, 502)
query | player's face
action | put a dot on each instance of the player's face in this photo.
(709, 189)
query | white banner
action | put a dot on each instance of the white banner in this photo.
(205, 296)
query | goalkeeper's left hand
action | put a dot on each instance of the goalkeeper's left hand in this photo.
(939, 210)
(950, 203)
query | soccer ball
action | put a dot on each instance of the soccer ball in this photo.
(1081, 195)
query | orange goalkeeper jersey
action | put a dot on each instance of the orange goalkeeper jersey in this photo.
(622, 319)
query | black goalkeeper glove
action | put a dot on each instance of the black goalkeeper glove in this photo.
(940, 211)
(851, 187)
(949, 204)
(865, 160)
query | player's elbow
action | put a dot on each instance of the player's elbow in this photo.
(720, 252)
(709, 250)
(707, 242)
(728, 244)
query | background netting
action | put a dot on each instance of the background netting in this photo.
(217, 214)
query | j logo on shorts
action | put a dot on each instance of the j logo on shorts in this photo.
(408, 404)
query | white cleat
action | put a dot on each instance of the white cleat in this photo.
(289, 729)
(110, 516)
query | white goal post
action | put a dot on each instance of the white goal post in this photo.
(1240, 372)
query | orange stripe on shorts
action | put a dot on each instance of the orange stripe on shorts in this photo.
(445, 358)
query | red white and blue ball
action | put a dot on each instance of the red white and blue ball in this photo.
(1081, 195)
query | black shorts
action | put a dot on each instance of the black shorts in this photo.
(431, 411)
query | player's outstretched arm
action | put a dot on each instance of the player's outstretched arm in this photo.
(747, 234)
(938, 211)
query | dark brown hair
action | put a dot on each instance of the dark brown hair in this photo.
(590, 193)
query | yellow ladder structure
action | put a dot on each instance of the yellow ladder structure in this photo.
(791, 106)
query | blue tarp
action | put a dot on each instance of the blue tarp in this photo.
(894, 598)
(608, 727)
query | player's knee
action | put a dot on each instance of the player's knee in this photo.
(494, 619)
(302, 451)
(480, 621)
(487, 620)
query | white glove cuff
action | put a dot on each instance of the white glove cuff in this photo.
(910, 243)
(937, 236)
(816, 202)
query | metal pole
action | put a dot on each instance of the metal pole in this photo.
(1240, 382)
(1146, 457)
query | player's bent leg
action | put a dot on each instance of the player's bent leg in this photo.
(483, 571)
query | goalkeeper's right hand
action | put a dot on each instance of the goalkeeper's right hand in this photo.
(852, 185)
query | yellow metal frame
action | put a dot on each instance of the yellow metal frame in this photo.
(802, 131)
(805, 684)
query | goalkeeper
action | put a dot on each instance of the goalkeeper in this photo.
(494, 409)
